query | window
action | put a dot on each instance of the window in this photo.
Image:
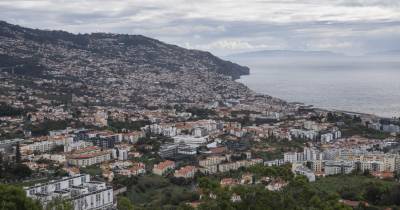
(70, 182)
(58, 186)
(91, 200)
(98, 199)
(83, 179)
(43, 189)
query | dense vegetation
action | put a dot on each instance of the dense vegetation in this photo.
(201, 113)
(380, 193)
(272, 148)
(13, 171)
(352, 126)
(7, 110)
(299, 194)
(155, 192)
(14, 198)
(127, 125)
(152, 192)
(20, 66)
(43, 128)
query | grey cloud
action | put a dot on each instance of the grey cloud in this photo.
(367, 3)
(283, 24)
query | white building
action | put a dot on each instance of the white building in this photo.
(163, 129)
(199, 132)
(77, 145)
(83, 193)
(338, 167)
(162, 167)
(304, 134)
(277, 162)
(326, 138)
(310, 154)
(88, 156)
(120, 153)
(302, 170)
(191, 140)
(293, 157)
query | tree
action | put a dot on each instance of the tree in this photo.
(124, 204)
(184, 206)
(59, 204)
(21, 171)
(18, 153)
(373, 194)
(208, 184)
(10, 171)
(14, 198)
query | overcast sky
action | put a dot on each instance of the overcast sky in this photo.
(225, 26)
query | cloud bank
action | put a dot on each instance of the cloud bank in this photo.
(225, 26)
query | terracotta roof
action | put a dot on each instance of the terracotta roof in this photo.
(228, 181)
(218, 150)
(350, 203)
(185, 170)
(90, 155)
(165, 164)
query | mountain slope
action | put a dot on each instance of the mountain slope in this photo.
(105, 68)
(142, 50)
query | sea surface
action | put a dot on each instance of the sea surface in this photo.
(366, 85)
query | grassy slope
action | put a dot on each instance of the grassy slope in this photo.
(157, 191)
(356, 184)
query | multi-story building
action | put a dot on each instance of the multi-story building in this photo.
(135, 170)
(88, 156)
(83, 193)
(185, 149)
(186, 172)
(211, 169)
(304, 134)
(120, 153)
(317, 166)
(374, 162)
(302, 170)
(277, 162)
(162, 167)
(100, 118)
(191, 140)
(45, 144)
(225, 167)
(39, 146)
(162, 129)
(168, 150)
(331, 135)
(200, 132)
(338, 167)
(78, 145)
(104, 142)
(171, 150)
(212, 160)
(327, 137)
(310, 154)
(293, 157)
(133, 137)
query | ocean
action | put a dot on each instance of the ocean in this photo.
(367, 85)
